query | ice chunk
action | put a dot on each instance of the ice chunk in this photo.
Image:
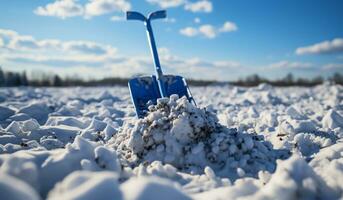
(303, 126)
(49, 142)
(294, 113)
(30, 125)
(14, 128)
(308, 144)
(97, 125)
(109, 132)
(69, 121)
(39, 111)
(332, 120)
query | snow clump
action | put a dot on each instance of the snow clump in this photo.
(190, 138)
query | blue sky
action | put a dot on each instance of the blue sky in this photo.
(201, 39)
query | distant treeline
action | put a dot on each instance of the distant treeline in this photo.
(12, 79)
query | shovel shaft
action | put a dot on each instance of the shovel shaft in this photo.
(155, 57)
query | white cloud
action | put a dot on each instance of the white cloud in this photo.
(209, 31)
(189, 31)
(118, 18)
(197, 20)
(87, 47)
(290, 65)
(167, 3)
(23, 42)
(2, 43)
(198, 68)
(7, 33)
(333, 67)
(71, 8)
(61, 9)
(95, 60)
(26, 43)
(170, 20)
(326, 47)
(100, 7)
(227, 64)
(50, 44)
(228, 27)
(199, 6)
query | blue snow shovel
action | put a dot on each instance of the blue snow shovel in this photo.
(145, 90)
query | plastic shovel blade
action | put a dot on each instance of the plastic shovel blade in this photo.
(174, 84)
(143, 90)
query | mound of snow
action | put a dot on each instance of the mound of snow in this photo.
(21, 168)
(5, 113)
(68, 121)
(308, 144)
(328, 164)
(14, 189)
(85, 185)
(294, 113)
(143, 188)
(294, 179)
(178, 133)
(241, 188)
(332, 120)
(22, 127)
(43, 169)
(39, 111)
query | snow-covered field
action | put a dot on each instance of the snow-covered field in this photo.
(239, 143)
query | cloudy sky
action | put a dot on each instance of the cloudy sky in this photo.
(201, 39)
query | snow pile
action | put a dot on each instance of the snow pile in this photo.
(332, 120)
(189, 138)
(5, 112)
(142, 188)
(294, 179)
(329, 165)
(86, 185)
(43, 169)
(38, 111)
(14, 189)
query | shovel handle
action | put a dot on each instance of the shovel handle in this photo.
(132, 15)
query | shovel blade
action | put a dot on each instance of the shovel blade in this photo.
(174, 84)
(143, 89)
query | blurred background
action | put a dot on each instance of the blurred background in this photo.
(89, 42)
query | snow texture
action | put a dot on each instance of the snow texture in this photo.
(239, 143)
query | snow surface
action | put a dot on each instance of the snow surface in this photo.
(239, 143)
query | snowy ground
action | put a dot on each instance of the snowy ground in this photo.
(239, 143)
